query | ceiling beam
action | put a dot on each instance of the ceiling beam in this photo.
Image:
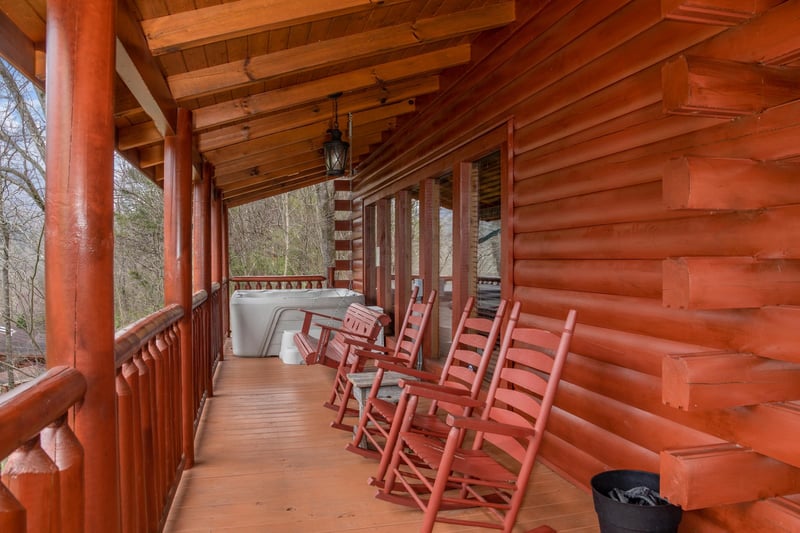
(276, 189)
(20, 51)
(212, 24)
(138, 70)
(228, 76)
(400, 95)
(383, 115)
(274, 157)
(301, 163)
(271, 101)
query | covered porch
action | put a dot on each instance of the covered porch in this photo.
(267, 460)
(634, 160)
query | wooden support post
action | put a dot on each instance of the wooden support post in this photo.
(706, 87)
(730, 282)
(402, 253)
(201, 238)
(717, 380)
(727, 183)
(370, 270)
(384, 245)
(226, 265)
(715, 12)
(429, 256)
(464, 275)
(178, 260)
(79, 243)
(216, 235)
(708, 476)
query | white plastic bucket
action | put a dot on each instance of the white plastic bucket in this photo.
(290, 355)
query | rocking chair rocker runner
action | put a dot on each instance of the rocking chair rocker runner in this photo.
(436, 476)
(470, 353)
(407, 348)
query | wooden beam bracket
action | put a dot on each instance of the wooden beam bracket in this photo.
(728, 183)
(705, 87)
(708, 476)
(715, 12)
(719, 380)
(729, 282)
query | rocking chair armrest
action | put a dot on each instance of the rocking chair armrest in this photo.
(413, 372)
(323, 315)
(367, 346)
(489, 426)
(329, 328)
(423, 390)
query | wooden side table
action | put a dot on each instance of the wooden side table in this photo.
(362, 385)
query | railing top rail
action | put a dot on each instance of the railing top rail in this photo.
(28, 409)
(215, 286)
(132, 337)
(277, 278)
(198, 298)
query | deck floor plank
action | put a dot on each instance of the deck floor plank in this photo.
(267, 461)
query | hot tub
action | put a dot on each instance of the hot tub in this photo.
(259, 317)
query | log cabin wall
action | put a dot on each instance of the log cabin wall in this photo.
(656, 190)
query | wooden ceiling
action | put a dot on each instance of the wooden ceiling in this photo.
(258, 74)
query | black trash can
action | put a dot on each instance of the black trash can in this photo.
(618, 517)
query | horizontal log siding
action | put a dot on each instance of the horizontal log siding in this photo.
(581, 82)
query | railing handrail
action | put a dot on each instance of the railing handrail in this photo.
(42, 401)
(276, 279)
(132, 337)
(198, 298)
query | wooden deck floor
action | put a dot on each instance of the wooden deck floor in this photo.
(267, 461)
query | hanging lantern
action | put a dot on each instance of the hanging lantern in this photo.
(335, 149)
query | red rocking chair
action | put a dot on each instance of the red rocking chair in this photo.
(407, 347)
(474, 342)
(436, 476)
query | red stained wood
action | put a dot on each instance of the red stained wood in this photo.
(720, 380)
(720, 12)
(699, 86)
(12, 513)
(726, 183)
(276, 482)
(61, 445)
(709, 476)
(33, 478)
(79, 198)
(178, 261)
(730, 282)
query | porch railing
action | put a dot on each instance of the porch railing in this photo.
(278, 282)
(33, 423)
(41, 490)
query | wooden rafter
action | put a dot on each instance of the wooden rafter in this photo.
(378, 75)
(235, 74)
(402, 95)
(211, 24)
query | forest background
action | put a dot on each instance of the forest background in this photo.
(283, 235)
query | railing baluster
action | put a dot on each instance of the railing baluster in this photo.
(127, 454)
(61, 444)
(33, 478)
(148, 455)
(12, 513)
(131, 374)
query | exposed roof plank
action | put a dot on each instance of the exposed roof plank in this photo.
(232, 110)
(367, 133)
(211, 24)
(402, 93)
(306, 58)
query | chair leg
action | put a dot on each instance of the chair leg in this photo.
(403, 406)
(441, 483)
(343, 402)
